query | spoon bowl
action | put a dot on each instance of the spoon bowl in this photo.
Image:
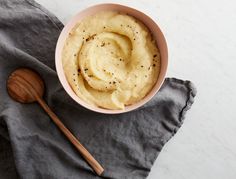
(24, 85)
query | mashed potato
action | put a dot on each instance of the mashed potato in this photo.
(110, 60)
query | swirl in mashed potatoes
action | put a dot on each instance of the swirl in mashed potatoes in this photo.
(110, 60)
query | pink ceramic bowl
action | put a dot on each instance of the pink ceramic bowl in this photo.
(153, 27)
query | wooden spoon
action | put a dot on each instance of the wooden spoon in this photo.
(26, 86)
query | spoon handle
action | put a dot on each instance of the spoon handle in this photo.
(87, 156)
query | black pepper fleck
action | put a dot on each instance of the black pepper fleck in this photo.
(155, 55)
(154, 65)
(103, 44)
(142, 66)
(91, 37)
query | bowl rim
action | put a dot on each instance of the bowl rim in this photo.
(60, 71)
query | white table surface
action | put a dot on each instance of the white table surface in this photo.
(201, 37)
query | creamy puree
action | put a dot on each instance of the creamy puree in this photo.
(110, 60)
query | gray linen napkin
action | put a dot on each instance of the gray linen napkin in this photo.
(31, 146)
